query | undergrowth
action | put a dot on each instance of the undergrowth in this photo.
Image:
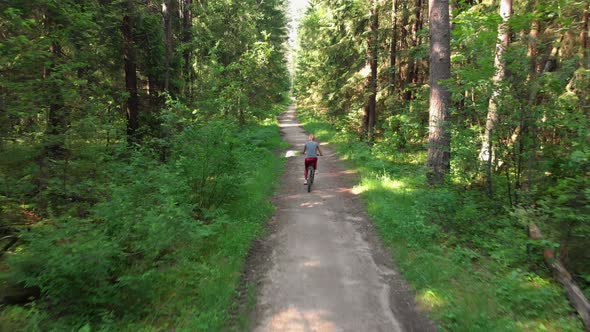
(155, 245)
(468, 259)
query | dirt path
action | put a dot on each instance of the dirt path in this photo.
(324, 269)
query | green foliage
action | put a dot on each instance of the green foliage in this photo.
(212, 180)
(331, 56)
(157, 220)
(539, 140)
(21, 319)
(64, 259)
(243, 72)
(531, 296)
(465, 256)
(153, 234)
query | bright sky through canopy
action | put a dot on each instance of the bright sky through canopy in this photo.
(296, 10)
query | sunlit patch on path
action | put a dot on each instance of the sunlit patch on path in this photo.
(291, 153)
(296, 320)
(284, 125)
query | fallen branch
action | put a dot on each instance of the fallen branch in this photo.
(12, 238)
(574, 293)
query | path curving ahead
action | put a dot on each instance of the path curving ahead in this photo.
(324, 268)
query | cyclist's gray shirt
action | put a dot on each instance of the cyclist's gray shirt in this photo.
(311, 148)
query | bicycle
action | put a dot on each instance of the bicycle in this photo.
(310, 175)
(311, 150)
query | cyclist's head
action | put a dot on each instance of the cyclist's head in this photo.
(311, 137)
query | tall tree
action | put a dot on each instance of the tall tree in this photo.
(533, 51)
(132, 102)
(167, 18)
(486, 153)
(372, 59)
(439, 138)
(403, 39)
(393, 47)
(411, 76)
(187, 26)
(584, 40)
(57, 117)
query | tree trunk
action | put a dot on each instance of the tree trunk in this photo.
(130, 76)
(411, 71)
(551, 62)
(373, 49)
(423, 64)
(187, 25)
(439, 138)
(166, 13)
(573, 291)
(393, 48)
(418, 27)
(403, 45)
(532, 51)
(486, 153)
(57, 117)
(526, 128)
(584, 41)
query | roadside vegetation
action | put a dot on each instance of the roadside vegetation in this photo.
(137, 154)
(468, 259)
(137, 140)
(469, 123)
(164, 244)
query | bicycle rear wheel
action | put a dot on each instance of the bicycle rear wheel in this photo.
(310, 174)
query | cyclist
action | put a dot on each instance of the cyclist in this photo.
(311, 150)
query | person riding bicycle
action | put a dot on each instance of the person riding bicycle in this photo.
(311, 150)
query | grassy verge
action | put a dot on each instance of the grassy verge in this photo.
(467, 258)
(216, 294)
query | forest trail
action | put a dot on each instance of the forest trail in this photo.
(324, 269)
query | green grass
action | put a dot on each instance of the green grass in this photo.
(465, 257)
(217, 292)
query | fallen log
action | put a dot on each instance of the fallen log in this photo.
(11, 241)
(573, 291)
(18, 294)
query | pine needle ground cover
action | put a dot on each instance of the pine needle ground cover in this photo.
(469, 260)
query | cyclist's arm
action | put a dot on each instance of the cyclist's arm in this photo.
(304, 148)
(320, 151)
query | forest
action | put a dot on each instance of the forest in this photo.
(128, 129)
(127, 198)
(477, 115)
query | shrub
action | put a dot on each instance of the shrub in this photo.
(115, 260)
(209, 163)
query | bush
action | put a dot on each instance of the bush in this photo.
(115, 260)
(73, 262)
(21, 319)
(209, 163)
